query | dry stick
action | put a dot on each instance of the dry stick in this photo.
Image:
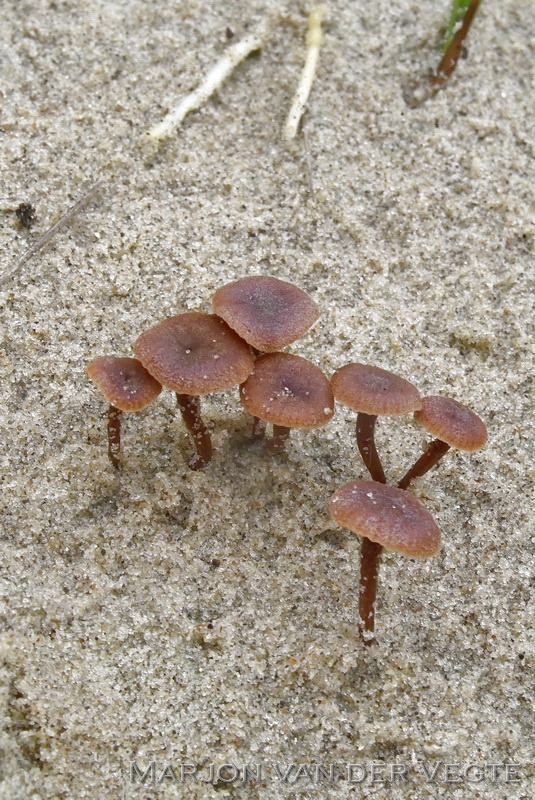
(314, 37)
(453, 50)
(40, 243)
(212, 81)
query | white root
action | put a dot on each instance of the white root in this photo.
(212, 81)
(314, 39)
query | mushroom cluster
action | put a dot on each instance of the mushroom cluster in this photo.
(386, 517)
(241, 344)
(194, 354)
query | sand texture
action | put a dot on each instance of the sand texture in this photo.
(177, 617)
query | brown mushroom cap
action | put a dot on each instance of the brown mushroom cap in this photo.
(194, 353)
(124, 382)
(372, 390)
(452, 422)
(289, 391)
(266, 312)
(392, 517)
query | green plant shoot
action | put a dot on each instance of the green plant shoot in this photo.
(458, 10)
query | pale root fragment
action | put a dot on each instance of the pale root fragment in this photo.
(211, 82)
(314, 39)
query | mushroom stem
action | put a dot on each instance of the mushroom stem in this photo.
(435, 450)
(277, 442)
(367, 448)
(114, 435)
(258, 430)
(190, 407)
(370, 553)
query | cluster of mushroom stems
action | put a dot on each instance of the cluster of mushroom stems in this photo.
(195, 354)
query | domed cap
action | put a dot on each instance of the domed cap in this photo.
(124, 382)
(194, 354)
(289, 391)
(392, 517)
(374, 391)
(452, 422)
(266, 312)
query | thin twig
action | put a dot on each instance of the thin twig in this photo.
(314, 37)
(45, 238)
(212, 81)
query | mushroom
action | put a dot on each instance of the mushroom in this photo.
(453, 424)
(195, 354)
(289, 392)
(267, 312)
(372, 391)
(127, 386)
(385, 517)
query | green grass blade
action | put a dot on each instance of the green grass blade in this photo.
(458, 10)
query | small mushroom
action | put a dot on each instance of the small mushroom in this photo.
(372, 391)
(267, 312)
(385, 517)
(289, 392)
(453, 424)
(195, 354)
(127, 386)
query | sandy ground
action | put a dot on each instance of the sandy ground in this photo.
(179, 618)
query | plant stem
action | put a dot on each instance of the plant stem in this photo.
(434, 452)
(190, 407)
(454, 48)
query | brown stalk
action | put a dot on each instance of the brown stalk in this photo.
(370, 552)
(454, 49)
(190, 408)
(278, 441)
(432, 455)
(114, 435)
(367, 448)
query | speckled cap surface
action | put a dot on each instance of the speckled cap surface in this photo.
(392, 517)
(266, 312)
(373, 390)
(124, 382)
(452, 422)
(195, 353)
(288, 390)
